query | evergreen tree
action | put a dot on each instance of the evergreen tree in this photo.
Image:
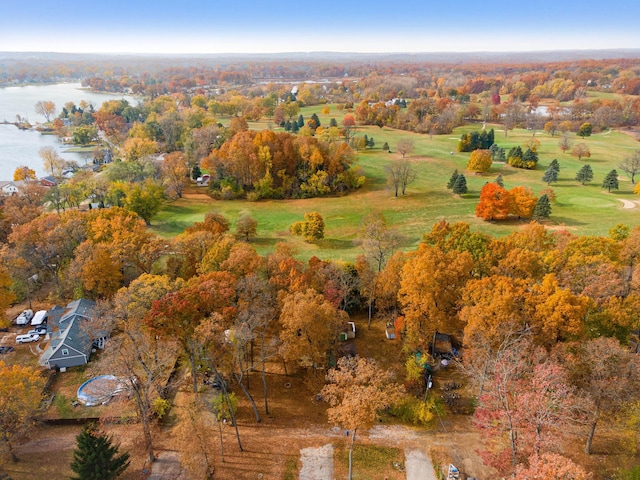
(371, 143)
(196, 172)
(529, 159)
(295, 127)
(333, 122)
(316, 120)
(95, 458)
(550, 176)
(543, 207)
(555, 165)
(611, 181)
(288, 126)
(499, 180)
(366, 141)
(385, 147)
(460, 185)
(452, 180)
(300, 121)
(494, 151)
(585, 174)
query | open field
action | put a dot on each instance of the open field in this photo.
(582, 210)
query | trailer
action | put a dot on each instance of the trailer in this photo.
(39, 318)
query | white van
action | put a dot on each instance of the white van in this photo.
(27, 338)
(39, 318)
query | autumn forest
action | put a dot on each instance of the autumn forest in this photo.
(288, 245)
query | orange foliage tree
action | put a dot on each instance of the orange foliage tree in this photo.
(494, 202)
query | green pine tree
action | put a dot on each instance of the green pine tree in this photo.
(95, 457)
(550, 176)
(196, 172)
(460, 185)
(555, 165)
(585, 174)
(385, 147)
(611, 181)
(453, 178)
(542, 208)
(499, 180)
(300, 121)
(333, 122)
(316, 120)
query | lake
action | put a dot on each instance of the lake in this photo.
(20, 147)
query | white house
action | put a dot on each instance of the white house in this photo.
(8, 188)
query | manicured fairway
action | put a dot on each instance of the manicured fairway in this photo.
(583, 210)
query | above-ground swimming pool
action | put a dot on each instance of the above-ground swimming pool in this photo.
(99, 390)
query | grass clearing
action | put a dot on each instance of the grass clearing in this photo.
(583, 210)
(370, 462)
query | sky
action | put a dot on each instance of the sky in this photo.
(264, 26)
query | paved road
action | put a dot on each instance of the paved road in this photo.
(317, 463)
(418, 465)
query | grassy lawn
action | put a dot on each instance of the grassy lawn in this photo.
(369, 462)
(583, 210)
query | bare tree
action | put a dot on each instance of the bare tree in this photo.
(564, 144)
(401, 173)
(581, 150)
(631, 165)
(46, 108)
(379, 241)
(405, 146)
(53, 162)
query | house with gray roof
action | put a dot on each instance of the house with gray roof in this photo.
(74, 335)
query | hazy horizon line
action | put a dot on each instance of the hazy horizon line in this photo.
(327, 52)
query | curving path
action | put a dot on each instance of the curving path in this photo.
(628, 204)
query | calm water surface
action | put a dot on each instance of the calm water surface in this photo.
(20, 147)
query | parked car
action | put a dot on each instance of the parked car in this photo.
(25, 317)
(38, 331)
(6, 349)
(27, 338)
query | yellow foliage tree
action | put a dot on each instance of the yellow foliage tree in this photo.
(309, 327)
(431, 287)
(479, 161)
(522, 202)
(7, 297)
(24, 173)
(20, 396)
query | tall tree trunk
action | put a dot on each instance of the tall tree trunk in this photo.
(371, 293)
(221, 442)
(249, 397)
(192, 362)
(225, 394)
(353, 439)
(264, 388)
(143, 413)
(264, 376)
(592, 430)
